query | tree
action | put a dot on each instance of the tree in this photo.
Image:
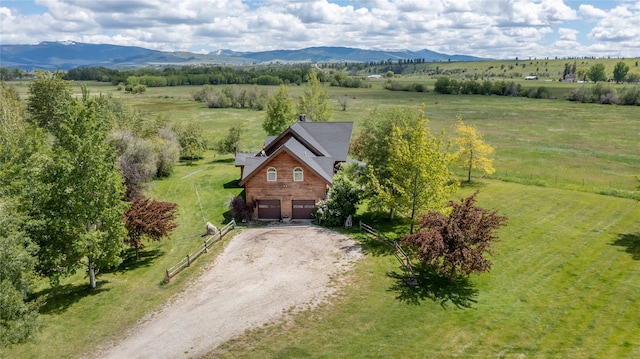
(230, 143)
(459, 242)
(314, 101)
(597, 73)
(79, 215)
(151, 219)
(192, 141)
(279, 112)
(420, 179)
(137, 161)
(472, 151)
(46, 94)
(371, 146)
(620, 71)
(21, 147)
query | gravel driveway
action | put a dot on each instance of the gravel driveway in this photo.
(261, 274)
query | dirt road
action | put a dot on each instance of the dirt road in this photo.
(261, 274)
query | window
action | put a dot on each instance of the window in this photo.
(297, 174)
(272, 175)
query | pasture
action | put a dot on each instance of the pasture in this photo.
(565, 275)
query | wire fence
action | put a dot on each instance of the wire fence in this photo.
(203, 248)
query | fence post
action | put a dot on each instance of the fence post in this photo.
(188, 261)
(233, 223)
(206, 250)
(167, 278)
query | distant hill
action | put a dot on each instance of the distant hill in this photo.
(67, 55)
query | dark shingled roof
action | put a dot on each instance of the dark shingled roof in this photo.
(319, 145)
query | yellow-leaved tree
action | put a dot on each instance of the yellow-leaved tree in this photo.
(473, 152)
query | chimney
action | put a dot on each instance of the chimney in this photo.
(302, 118)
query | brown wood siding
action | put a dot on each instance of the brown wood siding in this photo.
(285, 189)
(303, 209)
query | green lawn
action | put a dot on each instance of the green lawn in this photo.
(565, 277)
(564, 284)
(77, 319)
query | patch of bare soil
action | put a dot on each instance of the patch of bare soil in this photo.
(261, 274)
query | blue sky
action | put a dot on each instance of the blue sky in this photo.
(485, 28)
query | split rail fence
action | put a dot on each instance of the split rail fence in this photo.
(397, 250)
(203, 248)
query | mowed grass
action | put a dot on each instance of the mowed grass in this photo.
(77, 319)
(564, 284)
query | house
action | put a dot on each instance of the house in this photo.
(293, 171)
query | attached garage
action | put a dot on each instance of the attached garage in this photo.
(303, 208)
(269, 209)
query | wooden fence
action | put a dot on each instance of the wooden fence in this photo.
(399, 252)
(203, 248)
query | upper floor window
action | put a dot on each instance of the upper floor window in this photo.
(298, 174)
(272, 174)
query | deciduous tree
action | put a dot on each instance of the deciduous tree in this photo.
(151, 219)
(620, 71)
(230, 143)
(279, 112)
(21, 148)
(472, 151)
(459, 242)
(419, 176)
(597, 73)
(79, 214)
(314, 101)
(192, 141)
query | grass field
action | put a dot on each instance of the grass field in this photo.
(564, 281)
(564, 284)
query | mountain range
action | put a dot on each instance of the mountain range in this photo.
(65, 55)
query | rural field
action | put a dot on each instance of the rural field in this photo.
(566, 274)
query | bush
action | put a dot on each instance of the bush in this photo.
(630, 96)
(240, 209)
(581, 94)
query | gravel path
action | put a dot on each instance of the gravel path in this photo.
(261, 274)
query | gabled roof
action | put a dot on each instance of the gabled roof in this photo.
(317, 145)
(322, 138)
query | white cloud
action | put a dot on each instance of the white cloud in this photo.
(488, 28)
(568, 34)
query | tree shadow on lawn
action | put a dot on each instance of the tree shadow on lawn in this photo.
(222, 160)
(435, 287)
(60, 298)
(631, 242)
(130, 263)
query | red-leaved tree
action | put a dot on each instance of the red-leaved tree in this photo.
(459, 242)
(151, 219)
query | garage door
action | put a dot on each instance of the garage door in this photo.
(302, 209)
(269, 209)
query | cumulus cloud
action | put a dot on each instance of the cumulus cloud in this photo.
(487, 28)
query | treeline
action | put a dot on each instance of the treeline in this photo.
(194, 75)
(602, 93)
(212, 75)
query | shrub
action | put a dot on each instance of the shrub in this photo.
(630, 96)
(580, 94)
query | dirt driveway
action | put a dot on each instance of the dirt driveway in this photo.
(261, 274)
